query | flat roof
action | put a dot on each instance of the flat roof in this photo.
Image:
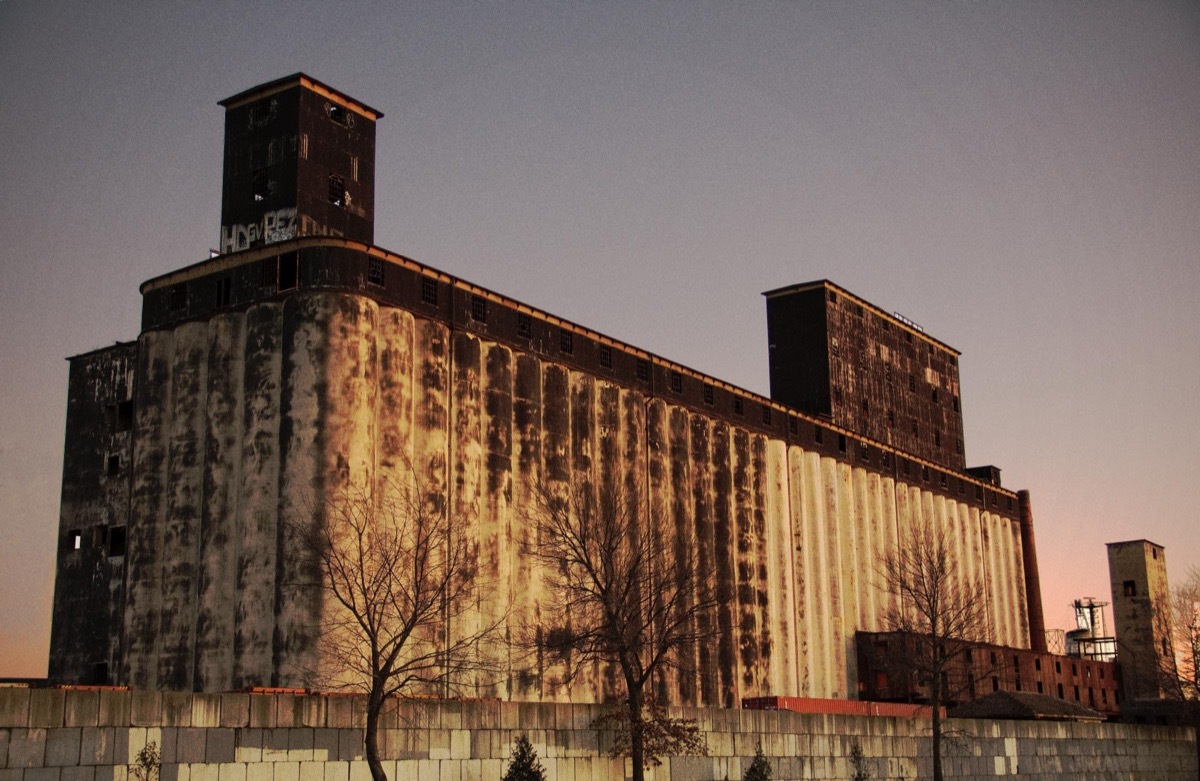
(300, 80)
(896, 319)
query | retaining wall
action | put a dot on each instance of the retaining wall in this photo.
(82, 735)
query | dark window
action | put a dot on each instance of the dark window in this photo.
(832, 297)
(340, 115)
(1076, 693)
(943, 479)
(858, 310)
(605, 356)
(995, 684)
(337, 190)
(1074, 669)
(179, 297)
(1102, 673)
(708, 393)
(1039, 687)
(904, 467)
(429, 291)
(643, 369)
(288, 271)
(119, 416)
(864, 453)
(916, 430)
(837, 395)
(962, 488)
(1058, 669)
(479, 309)
(954, 402)
(113, 465)
(935, 395)
(766, 415)
(739, 406)
(866, 405)
(525, 327)
(925, 474)
(116, 541)
(224, 291)
(676, 382)
(842, 442)
(261, 185)
(375, 271)
(937, 439)
(268, 273)
(793, 425)
(818, 434)
(992, 658)
(1060, 691)
(566, 341)
(912, 382)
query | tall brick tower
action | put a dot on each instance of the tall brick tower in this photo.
(299, 161)
(1141, 615)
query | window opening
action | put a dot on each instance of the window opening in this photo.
(268, 273)
(676, 382)
(479, 311)
(566, 341)
(224, 291)
(337, 190)
(643, 369)
(842, 442)
(429, 291)
(524, 325)
(766, 415)
(793, 425)
(179, 297)
(739, 405)
(818, 434)
(288, 271)
(375, 271)
(116, 541)
(708, 394)
(112, 465)
(605, 356)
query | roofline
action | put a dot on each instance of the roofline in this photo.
(1142, 541)
(98, 350)
(302, 80)
(890, 316)
(234, 259)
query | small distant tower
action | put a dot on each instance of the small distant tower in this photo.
(299, 161)
(1141, 615)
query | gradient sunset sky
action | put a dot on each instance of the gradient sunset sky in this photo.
(1020, 178)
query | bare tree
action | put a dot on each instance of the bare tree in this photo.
(1180, 674)
(399, 615)
(941, 610)
(623, 592)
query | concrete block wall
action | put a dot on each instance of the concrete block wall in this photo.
(90, 735)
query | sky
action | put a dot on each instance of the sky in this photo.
(1020, 178)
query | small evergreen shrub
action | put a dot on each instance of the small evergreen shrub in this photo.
(524, 764)
(760, 768)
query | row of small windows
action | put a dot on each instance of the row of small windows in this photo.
(110, 539)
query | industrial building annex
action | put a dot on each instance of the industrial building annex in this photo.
(301, 358)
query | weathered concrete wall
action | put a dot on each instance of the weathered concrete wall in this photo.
(48, 735)
(248, 418)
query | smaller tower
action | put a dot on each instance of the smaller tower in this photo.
(1141, 616)
(836, 355)
(299, 161)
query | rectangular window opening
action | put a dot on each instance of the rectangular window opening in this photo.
(709, 397)
(766, 415)
(288, 270)
(842, 443)
(739, 405)
(643, 370)
(524, 325)
(676, 382)
(375, 271)
(479, 311)
(337, 190)
(566, 342)
(605, 356)
(116, 541)
(224, 291)
(179, 297)
(112, 465)
(818, 434)
(429, 291)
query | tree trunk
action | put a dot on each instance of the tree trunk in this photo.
(935, 703)
(371, 737)
(637, 744)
